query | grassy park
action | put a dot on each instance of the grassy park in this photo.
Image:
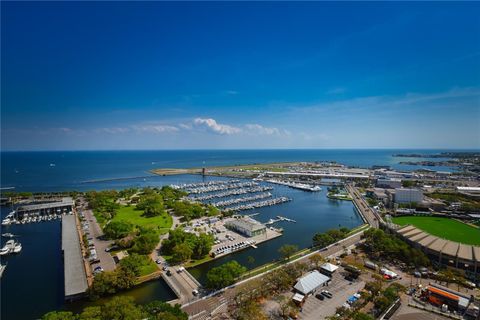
(130, 214)
(443, 227)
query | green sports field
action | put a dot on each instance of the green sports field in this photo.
(444, 228)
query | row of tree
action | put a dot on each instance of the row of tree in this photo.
(183, 246)
(382, 245)
(192, 210)
(331, 236)
(123, 308)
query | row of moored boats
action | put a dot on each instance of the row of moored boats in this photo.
(26, 218)
(231, 192)
(259, 204)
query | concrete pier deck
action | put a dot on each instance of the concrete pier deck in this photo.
(74, 269)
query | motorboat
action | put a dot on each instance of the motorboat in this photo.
(8, 235)
(11, 246)
(6, 222)
(17, 248)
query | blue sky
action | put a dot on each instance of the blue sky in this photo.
(156, 75)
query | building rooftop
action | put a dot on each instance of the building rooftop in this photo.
(437, 245)
(465, 252)
(451, 248)
(310, 282)
(247, 223)
(329, 267)
(65, 201)
(74, 268)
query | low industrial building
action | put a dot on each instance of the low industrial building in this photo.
(246, 226)
(310, 282)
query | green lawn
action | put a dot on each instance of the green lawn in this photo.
(148, 266)
(444, 228)
(162, 222)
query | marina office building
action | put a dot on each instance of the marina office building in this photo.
(247, 226)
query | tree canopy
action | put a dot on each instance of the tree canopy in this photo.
(224, 275)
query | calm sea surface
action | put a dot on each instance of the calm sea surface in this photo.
(33, 284)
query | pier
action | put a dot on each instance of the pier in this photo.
(64, 204)
(74, 269)
(279, 219)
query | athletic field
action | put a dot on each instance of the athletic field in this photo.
(444, 228)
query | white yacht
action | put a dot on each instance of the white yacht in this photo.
(8, 235)
(11, 246)
(6, 222)
(17, 248)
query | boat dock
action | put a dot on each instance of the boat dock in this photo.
(279, 219)
(56, 206)
(74, 269)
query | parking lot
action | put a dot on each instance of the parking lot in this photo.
(96, 245)
(227, 241)
(341, 290)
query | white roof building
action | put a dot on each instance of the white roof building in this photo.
(310, 282)
(330, 268)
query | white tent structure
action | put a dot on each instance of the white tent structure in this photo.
(329, 268)
(310, 282)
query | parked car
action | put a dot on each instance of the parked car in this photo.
(327, 294)
(320, 296)
(158, 261)
(98, 269)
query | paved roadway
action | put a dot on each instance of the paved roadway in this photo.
(367, 212)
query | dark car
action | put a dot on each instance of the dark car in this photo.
(327, 294)
(169, 273)
(320, 296)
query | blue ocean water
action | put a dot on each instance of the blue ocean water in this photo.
(71, 170)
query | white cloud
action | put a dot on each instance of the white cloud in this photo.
(155, 128)
(261, 130)
(213, 126)
(114, 130)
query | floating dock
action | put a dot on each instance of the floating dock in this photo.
(74, 268)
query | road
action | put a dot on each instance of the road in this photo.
(371, 217)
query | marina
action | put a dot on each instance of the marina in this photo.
(228, 193)
(240, 200)
(259, 204)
